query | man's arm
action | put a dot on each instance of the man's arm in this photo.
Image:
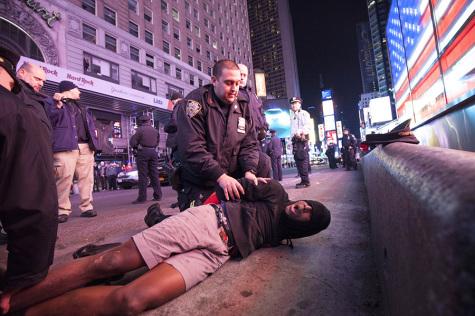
(192, 145)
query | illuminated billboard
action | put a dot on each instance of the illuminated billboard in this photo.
(380, 110)
(431, 48)
(261, 90)
(277, 114)
(327, 107)
(329, 122)
(339, 129)
(326, 94)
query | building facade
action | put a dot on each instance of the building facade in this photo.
(273, 48)
(366, 58)
(140, 51)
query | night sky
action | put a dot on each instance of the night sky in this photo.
(325, 41)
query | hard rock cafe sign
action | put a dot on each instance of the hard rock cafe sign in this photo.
(49, 17)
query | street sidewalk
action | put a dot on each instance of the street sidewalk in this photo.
(332, 273)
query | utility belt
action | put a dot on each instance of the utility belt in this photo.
(223, 227)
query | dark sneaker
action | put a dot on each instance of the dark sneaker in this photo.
(63, 218)
(302, 185)
(90, 213)
(139, 201)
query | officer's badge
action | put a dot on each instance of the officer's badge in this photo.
(241, 125)
(192, 108)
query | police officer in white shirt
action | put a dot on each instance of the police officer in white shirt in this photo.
(300, 129)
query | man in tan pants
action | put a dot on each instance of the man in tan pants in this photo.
(74, 143)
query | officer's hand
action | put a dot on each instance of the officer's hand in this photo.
(230, 186)
(251, 177)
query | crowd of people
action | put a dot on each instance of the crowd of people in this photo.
(229, 205)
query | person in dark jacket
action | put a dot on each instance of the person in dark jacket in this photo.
(275, 152)
(145, 142)
(28, 201)
(330, 153)
(74, 143)
(349, 154)
(216, 138)
(180, 252)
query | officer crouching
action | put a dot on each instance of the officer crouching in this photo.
(145, 142)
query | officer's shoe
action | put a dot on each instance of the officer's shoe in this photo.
(139, 201)
(89, 213)
(302, 185)
(62, 218)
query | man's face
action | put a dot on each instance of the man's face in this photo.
(295, 106)
(299, 211)
(244, 75)
(345, 132)
(34, 76)
(6, 80)
(226, 86)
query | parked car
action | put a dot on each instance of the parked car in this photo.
(130, 179)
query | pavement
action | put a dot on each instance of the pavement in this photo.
(332, 273)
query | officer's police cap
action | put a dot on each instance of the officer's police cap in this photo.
(295, 99)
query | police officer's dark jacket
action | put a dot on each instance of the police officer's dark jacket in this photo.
(348, 140)
(36, 102)
(63, 120)
(207, 146)
(146, 136)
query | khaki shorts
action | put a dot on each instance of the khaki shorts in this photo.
(189, 241)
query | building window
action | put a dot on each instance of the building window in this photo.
(178, 73)
(215, 44)
(89, 6)
(175, 15)
(196, 15)
(188, 24)
(148, 15)
(206, 21)
(134, 53)
(144, 83)
(176, 33)
(209, 71)
(149, 60)
(177, 53)
(166, 68)
(133, 5)
(111, 43)
(207, 39)
(198, 65)
(187, 6)
(164, 6)
(192, 79)
(189, 43)
(98, 67)
(174, 90)
(109, 16)
(197, 31)
(198, 48)
(213, 28)
(89, 33)
(149, 37)
(200, 82)
(166, 47)
(208, 55)
(133, 29)
(165, 26)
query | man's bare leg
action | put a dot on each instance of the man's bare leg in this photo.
(77, 273)
(153, 289)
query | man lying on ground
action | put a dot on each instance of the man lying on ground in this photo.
(180, 252)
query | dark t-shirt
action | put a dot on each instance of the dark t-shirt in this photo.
(80, 123)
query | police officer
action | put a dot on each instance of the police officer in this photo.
(28, 200)
(145, 142)
(275, 151)
(300, 129)
(349, 145)
(216, 138)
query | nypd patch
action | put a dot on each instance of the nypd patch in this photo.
(192, 108)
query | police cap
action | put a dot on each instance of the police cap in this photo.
(295, 99)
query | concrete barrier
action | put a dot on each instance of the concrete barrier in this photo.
(422, 210)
